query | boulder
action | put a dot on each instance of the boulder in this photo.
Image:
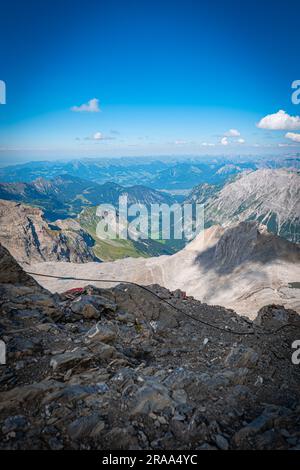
(221, 442)
(70, 359)
(152, 397)
(86, 426)
(15, 423)
(241, 356)
(275, 316)
(101, 332)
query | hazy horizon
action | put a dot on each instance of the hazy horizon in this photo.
(144, 158)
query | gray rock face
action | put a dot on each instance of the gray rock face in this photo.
(152, 397)
(102, 333)
(69, 359)
(86, 426)
(261, 430)
(274, 316)
(11, 272)
(15, 423)
(28, 236)
(221, 442)
(240, 356)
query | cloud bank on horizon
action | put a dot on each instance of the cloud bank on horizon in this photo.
(294, 137)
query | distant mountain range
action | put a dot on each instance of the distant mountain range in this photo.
(66, 196)
(26, 233)
(270, 197)
(69, 196)
(162, 173)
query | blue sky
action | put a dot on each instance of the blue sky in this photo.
(165, 77)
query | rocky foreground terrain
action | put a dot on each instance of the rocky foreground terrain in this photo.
(119, 368)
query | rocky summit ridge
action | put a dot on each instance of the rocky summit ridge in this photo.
(118, 368)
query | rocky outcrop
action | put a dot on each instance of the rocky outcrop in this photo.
(29, 237)
(11, 272)
(143, 374)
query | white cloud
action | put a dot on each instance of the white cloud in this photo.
(279, 121)
(286, 145)
(232, 133)
(98, 136)
(224, 141)
(241, 141)
(180, 142)
(92, 106)
(293, 136)
(207, 144)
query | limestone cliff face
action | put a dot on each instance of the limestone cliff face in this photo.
(29, 237)
(270, 197)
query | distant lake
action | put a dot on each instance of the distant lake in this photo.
(294, 285)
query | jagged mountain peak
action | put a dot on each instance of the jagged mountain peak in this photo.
(268, 196)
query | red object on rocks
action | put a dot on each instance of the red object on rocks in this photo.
(73, 292)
